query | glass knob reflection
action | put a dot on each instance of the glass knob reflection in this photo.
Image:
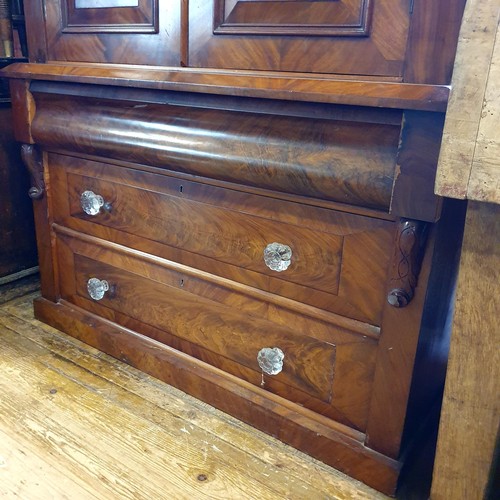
(97, 288)
(92, 203)
(277, 256)
(270, 360)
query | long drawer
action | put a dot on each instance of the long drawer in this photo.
(325, 367)
(332, 260)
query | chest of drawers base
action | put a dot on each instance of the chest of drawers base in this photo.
(316, 436)
(252, 259)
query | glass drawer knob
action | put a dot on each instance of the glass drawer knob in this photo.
(277, 256)
(270, 360)
(97, 288)
(91, 203)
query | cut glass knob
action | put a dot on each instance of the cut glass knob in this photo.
(97, 288)
(277, 256)
(91, 203)
(270, 360)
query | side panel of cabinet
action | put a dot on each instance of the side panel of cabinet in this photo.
(17, 236)
(358, 37)
(113, 31)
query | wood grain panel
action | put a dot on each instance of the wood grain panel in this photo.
(35, 32)
(224, 328)
(319, 437)
(433, 40)
(334, 160)
(366, 242)
(355, 90)
(206, 229)
(219, 330)
(122, 35)
(101, 18)
(309, 18)
(381, 53)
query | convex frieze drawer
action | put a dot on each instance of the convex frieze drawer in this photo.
(338, 160)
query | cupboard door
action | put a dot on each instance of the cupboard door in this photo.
(358, 37)
(113, 31)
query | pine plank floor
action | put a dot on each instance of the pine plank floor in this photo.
(78, 424)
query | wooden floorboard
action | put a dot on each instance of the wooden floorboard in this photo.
(78, 424)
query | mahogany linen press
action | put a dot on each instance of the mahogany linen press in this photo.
(237, 198)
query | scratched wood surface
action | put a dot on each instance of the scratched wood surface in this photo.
(484, 183)
(471, 405)
(75, 423)
(468, 165)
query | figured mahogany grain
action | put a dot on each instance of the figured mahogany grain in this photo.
(339, 260)
(380, 52)
(413, 193)
(360, 91)
(326, 175)
(206, 229)
(35, 32)
(354, 342)
(125, 47)
(432, 41)
(323, 159)
(319, 437)
(175, 305)
(224, 327)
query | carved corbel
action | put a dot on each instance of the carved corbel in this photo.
(32, 159)
(407, 259)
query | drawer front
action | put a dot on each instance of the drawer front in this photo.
(225, 235)
(349, 162)
(330, 373)
(334, 261)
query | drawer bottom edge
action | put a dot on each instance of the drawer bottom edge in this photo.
(255, 406)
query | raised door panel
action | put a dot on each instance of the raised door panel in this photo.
(113, 31)
(292, 17)
(356, 37)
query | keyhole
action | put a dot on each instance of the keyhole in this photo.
(181, 188)
(181, 282)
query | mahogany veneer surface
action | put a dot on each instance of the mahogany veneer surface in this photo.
(309, 129)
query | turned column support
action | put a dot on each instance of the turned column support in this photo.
(406, 261)
(32, 159)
